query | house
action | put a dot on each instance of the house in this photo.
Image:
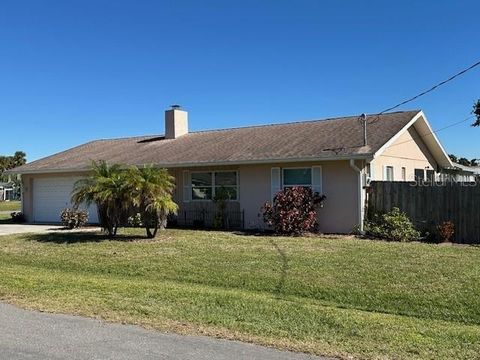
(461, 173)
(7, 191)
(336, 157)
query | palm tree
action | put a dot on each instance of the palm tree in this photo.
(152, 193)
(108, 189)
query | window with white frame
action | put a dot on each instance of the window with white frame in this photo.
(205, 185)
(404, 173)
(388, 176)
(289, 177)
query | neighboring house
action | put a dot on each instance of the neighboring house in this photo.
(253, 163)
(7, 192)
(461, 173)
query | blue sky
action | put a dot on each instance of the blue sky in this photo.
(74, 71)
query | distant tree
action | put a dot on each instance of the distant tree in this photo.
(476, 112)
(10, 162)
(463, 161)
(19, 158)
(453, 158)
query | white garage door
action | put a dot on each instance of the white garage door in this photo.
(52, 195)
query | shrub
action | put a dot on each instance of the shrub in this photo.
(117, 189)
(222, 196)
(17, 217)
(393, 226)
(446, 230)
(293, 211)
(74, 218)
(135, 220)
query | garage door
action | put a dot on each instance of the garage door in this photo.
(52, 195)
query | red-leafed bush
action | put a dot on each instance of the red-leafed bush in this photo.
(446, 230)
(294, 211)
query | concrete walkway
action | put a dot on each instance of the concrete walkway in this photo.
(34, 335)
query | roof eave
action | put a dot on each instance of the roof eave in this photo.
(204, 164)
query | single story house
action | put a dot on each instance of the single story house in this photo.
(461, 173)
(7, 191)
(336, 157)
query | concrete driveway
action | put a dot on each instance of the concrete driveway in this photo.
(34, 335)
(12, 229)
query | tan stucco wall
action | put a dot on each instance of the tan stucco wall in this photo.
(339, 184)
(407, 151)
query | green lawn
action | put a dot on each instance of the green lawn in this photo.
(335, 296)
(10, 206)
(5, 218)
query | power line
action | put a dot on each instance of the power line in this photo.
(377, 115)
(431, 89)
(339, 149)
(437, 130)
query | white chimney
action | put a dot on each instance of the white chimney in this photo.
(176, 122)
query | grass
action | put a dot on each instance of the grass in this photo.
(331, 296)
(10, 206)
(5, 218)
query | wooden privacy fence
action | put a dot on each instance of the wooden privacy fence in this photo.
(428, 205)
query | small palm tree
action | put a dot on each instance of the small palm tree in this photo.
(152, 190)
(108, 189)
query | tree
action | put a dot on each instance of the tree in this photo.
(117, 190)
(19, 158)
(108, 188)
(476, 112)
(152, 190)
(464, 161)
(10, 162)
(474, 162)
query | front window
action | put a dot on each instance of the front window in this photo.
(202, 186)
(206, 185)
(226, 181)
(297, 177)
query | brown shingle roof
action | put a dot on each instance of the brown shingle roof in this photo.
(317, 139)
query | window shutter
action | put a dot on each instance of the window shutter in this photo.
(275, 182)
(384, 173)
(187, 186)
(317, 179)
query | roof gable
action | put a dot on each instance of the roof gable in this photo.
(427, 136)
